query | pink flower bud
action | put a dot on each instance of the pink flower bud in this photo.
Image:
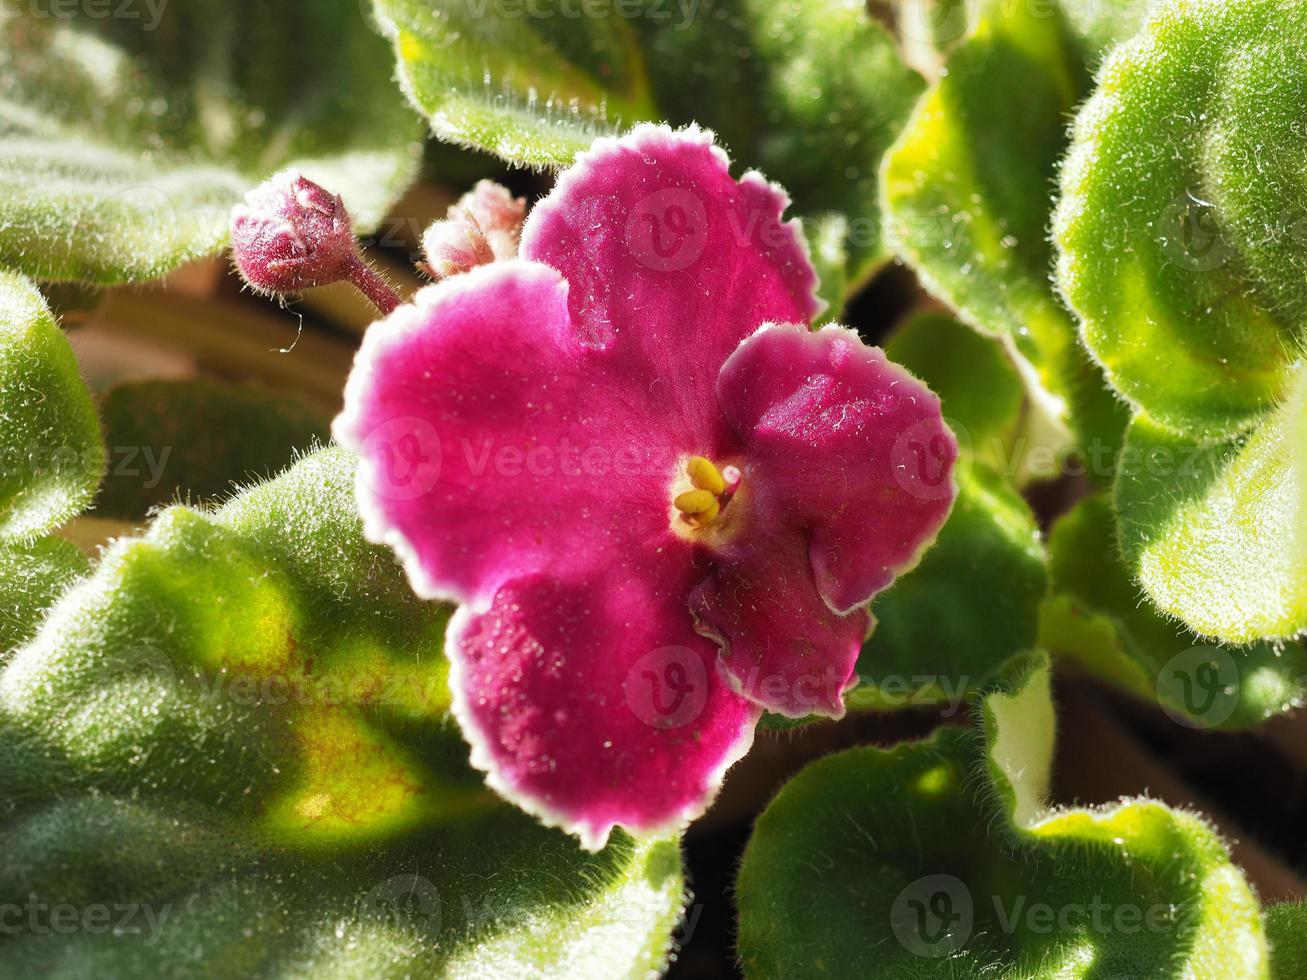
(484, 226)
(292, 234)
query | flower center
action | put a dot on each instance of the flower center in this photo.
(712, 490)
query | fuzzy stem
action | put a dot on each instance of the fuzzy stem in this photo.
(370, 283)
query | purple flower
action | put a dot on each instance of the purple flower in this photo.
(663, 502)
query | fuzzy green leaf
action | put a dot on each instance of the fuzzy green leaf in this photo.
(949, 625)
(979, 388)
(827, 237)
(1097, 617)
(1286, 929)
(1181, 249)
(809, 92)
(965, 192)
(940, 858)
(51, 453)
(1183, 214)
(1100, 25)
(32, 576)
(197, 440)
(944, 630)
(128, 139)
(966, 184)
(532, 85)
(1217, 534)
(833, 94)
(237, 727)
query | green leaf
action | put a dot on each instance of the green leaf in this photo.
(999, 416)
(827, 237)
(932, 29)
(1286, 930)
(810, 92)
(1216, 534)
(128, 139)
(197, 439)
(947, 627)
(929, 30)
(966, 194)
(1100, 25)
(1097, 617)
(833, 94)
(980, 390)
(51, 454)
(966, 184)
(237, 727)
(1183, 210)
(941, 858)
(32, 576)
(532, 85)
(943, 630)
(1185, 263)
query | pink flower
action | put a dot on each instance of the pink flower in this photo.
(662, 501)
(484, 226)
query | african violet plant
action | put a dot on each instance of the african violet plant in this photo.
(644, 476)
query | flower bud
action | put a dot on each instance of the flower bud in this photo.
(292, 234)
(484, 226)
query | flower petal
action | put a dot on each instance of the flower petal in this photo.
(591, 702)
(844, 444)
(847, 479)
(782, 646)
(670, 259)
(494, 443)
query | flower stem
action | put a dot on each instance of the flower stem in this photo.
(371, 284)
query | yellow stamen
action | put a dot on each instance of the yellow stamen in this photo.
(704, 475)
(696, 503)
